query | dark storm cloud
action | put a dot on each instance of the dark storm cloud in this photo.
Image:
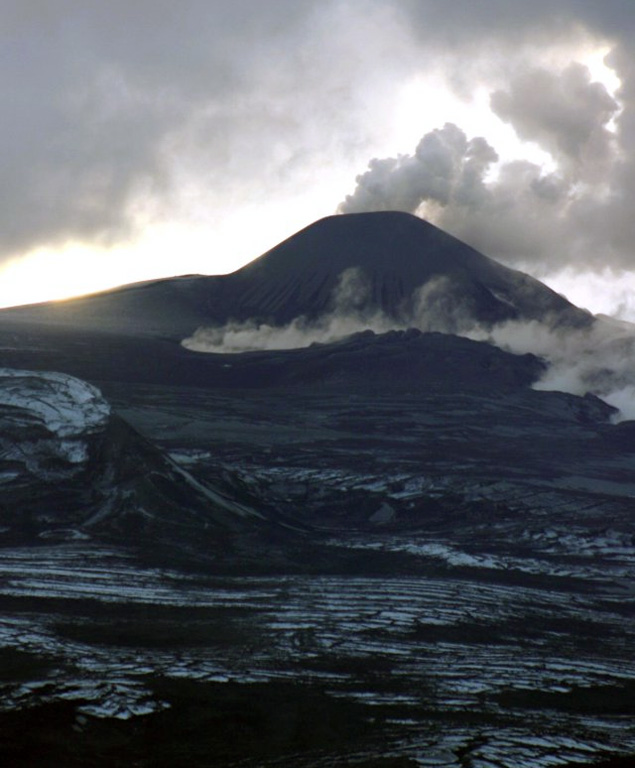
(460, 22)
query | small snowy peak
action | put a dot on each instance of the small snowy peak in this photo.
(65, 406)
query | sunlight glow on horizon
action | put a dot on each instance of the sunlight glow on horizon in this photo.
(77, 269)
(228, 238)
(162, 251)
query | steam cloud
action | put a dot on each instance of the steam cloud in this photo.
(516, 211)
(599, 359)
(346, 317)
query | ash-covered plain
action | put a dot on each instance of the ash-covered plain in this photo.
(388, 548)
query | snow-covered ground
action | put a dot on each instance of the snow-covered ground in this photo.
(65, 405)
(47, 416)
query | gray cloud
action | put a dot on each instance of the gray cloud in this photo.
(101, 99)
(112, 109)
(566, 113)
(460, 23)
(576, 214)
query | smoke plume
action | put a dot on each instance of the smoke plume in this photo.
(599, 359)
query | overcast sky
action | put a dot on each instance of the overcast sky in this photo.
(146, 137)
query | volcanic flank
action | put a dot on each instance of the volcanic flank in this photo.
(395, 254)
(388, 263)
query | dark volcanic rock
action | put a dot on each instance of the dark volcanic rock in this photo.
(72, 470)
(50, 424)
(392, 362)
(395, 361)
(397, 253)
(413, 361)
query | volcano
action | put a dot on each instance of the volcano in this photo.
(396, 254)
(392, 255)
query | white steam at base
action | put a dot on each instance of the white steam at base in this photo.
(346, 317)
(599, 359)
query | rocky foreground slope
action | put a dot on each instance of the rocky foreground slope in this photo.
(389, 550)
(72, 470)
(434, 573)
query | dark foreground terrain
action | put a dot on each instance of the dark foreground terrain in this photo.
(386, 551)
(109, 663)
(456, 589)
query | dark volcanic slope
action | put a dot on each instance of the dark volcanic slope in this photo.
(395, 252)
(161, 308)
(398, 253)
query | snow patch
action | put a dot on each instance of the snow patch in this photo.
(66, 406)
